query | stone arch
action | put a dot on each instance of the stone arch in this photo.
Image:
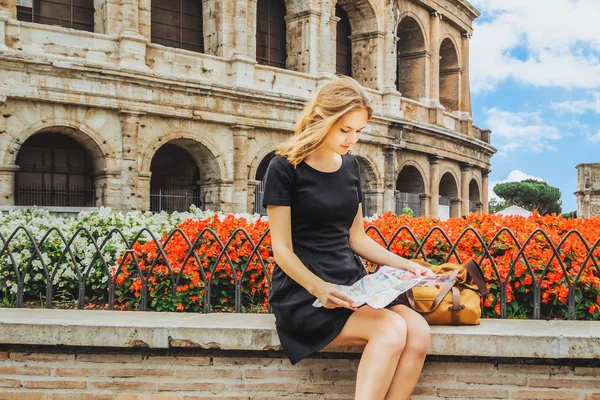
(411, 58)
(206, 192)
(91, 140)
(369, 184)
(256, 163)
(367, 38)
(54, 169)
(475, 202)
(449, 74)
(200, 147)
(449, 194)
(361, 13)
(410, 188)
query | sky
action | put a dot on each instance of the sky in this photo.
(535, 82)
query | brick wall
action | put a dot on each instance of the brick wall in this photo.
(31, 373)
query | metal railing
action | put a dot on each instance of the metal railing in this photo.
(410, 200)
(30, 194)
(43, 256)
(176, 199)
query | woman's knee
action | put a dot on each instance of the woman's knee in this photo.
(419, 335)
(390, 331)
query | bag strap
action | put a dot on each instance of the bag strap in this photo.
(475, 273)
(456, 307)
(443, 292)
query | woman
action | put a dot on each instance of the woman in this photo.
(313, 201)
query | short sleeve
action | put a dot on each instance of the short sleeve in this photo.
(279, 181)
(359, 188)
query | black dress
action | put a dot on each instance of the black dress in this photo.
(323, 207)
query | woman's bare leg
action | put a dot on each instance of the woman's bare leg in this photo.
(413, 357)
(384, 333)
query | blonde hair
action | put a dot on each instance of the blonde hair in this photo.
(332, 102)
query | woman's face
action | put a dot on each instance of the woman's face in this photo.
(346, 131)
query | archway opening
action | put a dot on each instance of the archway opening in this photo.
(449, 76)
(54, 170)
(259, 190)
(271, 33)
(410, 185)
(448, 206)
(368, 182)
(474, 197)
(343, 49)
(411, 60)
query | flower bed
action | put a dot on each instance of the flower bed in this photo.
(231, 261)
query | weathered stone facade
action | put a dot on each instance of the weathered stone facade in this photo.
(588, 190)
(123, 97)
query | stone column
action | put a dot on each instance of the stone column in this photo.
(366, 56)
(327, 41)
(244, 49)
(436, 115)
(7, 184)
(109, 188)
(240, 168)
(132, 45)
(425, 203)
(484, 190)
(434, 45)
(392, 98)
(143, 188)
(132, 195)
(8, 8)
(302, 35)
(464, 184)
(389, 203)
(3, 18)
(434, 188)
(465, 103)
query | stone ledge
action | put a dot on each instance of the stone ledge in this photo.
(119, 329)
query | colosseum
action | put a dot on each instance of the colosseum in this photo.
(160, 104)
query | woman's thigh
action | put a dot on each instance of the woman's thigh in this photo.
(367, 323)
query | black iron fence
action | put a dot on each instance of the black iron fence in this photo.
(101, 261)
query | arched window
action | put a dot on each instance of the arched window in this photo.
(411, 60)
(343, 60)
(270, 33)
(54, 170)
(76, 14)
(178, 23)
(449, 75)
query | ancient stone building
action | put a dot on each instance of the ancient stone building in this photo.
(157, 104)
(588, 190)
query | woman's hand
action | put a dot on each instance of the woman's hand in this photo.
(417, 269)
(331, 297)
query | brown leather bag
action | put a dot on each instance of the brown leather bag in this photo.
(457, 303)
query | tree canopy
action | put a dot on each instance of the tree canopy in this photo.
(531, 195)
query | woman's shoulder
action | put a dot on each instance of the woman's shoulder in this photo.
(351, 160)
(280, 162)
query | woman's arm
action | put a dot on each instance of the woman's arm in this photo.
(281, 241)
(368, 249)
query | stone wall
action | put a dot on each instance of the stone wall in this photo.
(122, 97)
(69, 374)
(66, 354)
(588, 190)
